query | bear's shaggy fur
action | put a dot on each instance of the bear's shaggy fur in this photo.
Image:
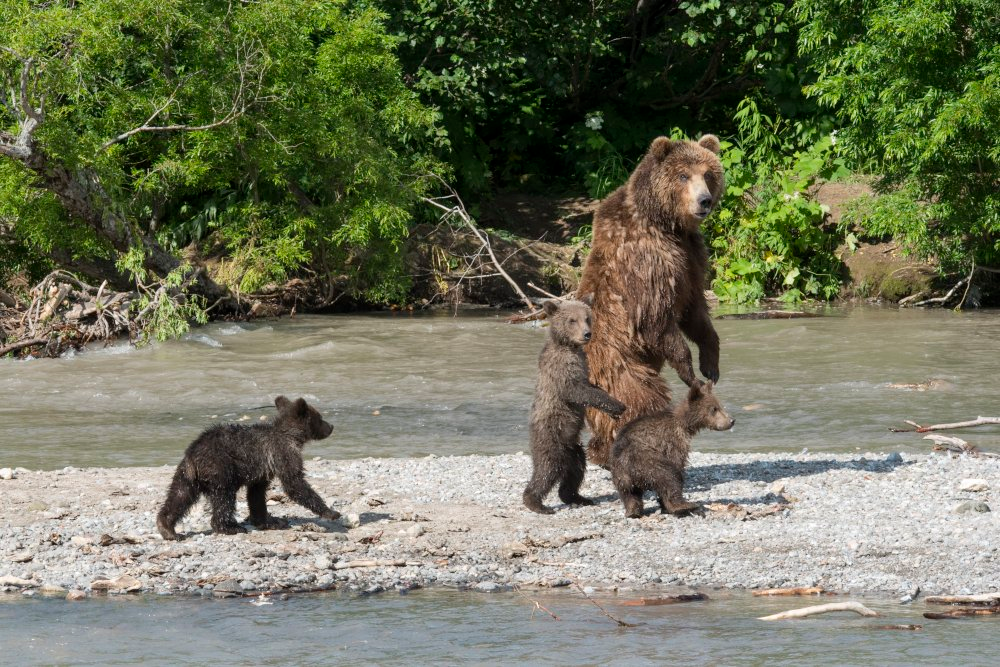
(647, 272)
(650, 453)
(227, 456)
(561, 394)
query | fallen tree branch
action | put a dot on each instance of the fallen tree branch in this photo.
(989, 599)
(978, 421)
(537, 605)
(811, 590)
(959, 613)
(620, 622)
(666, 599)
(856, 607)
(20, 345)
(457, 210)
(398, 562)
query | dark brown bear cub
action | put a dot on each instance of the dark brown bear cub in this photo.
(561, 394)
(227, 456)
(651, 452)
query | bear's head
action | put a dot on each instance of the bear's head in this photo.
(303, 417)
(678, 183)
(569, 320)
(704, 409)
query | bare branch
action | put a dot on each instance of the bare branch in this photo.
(856, 607)
(247, 93)
(458, 210)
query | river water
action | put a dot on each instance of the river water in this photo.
(412, 385)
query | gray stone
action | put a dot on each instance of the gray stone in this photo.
(487, 586)
(227, 589)
(971, 506)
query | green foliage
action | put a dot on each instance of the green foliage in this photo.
(767, 236)
(309, 138)
(577, 90)
(917, 87)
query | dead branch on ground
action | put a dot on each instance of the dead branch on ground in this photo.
(851, 605)
(453, 208)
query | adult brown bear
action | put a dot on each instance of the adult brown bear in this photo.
(647, 271)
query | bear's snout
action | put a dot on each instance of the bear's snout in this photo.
(586, 336)
(705, 202)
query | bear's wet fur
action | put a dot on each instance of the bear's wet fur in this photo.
(226, 457)
(562, 393)
(647, 270)
(650, 453)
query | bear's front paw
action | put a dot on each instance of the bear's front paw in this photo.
(710, 373)
(332, 515)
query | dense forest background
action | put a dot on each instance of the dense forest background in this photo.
(218, 147)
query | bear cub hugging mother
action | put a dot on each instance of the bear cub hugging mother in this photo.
(226, 457)
(647, 270)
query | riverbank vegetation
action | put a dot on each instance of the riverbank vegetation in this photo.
(232, 152)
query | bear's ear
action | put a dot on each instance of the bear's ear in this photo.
(300, 407)
(587, 298)
(281, 403)
(661, 147)
(696, 391)
(550, 307)
(711, 142)
(707, 387)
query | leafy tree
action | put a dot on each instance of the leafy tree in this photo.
(280, 128)
(917, 88)
(579, 89)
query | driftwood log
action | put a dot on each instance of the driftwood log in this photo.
(856, 607)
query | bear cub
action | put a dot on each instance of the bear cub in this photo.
(562, 392)
(650, 453)
(226, 457)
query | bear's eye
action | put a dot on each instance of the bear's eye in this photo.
(714, 410)
(683, 178)
(572, 320)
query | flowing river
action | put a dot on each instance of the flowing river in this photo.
(412, 385)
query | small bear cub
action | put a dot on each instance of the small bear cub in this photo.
(650, 453)
(226, 457)
(562, 392)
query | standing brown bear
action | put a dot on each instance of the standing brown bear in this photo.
(647, 271)
(227, 456)
(650, 453)
(561, 394)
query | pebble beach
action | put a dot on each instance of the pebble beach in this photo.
(886, 523)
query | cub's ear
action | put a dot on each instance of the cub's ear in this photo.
(707, 387)
(550, 307)
(696, 391)
(281, 403)
(661, 147)
(587, 298)
(300, 407)
(711, 142)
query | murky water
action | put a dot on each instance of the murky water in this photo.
(453, 627)
(463, 385)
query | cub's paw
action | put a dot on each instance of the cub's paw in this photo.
(332, 515)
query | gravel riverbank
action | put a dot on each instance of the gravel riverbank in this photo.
(874, 523)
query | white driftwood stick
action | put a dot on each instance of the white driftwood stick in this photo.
(947, 440)
(821, 609)
(978, 421)
(985, 598)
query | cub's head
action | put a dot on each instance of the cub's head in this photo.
(569, 320)
(304, 416)
(678, 183)
(705, 410)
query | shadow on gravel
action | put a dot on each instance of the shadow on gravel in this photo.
(702, 478)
